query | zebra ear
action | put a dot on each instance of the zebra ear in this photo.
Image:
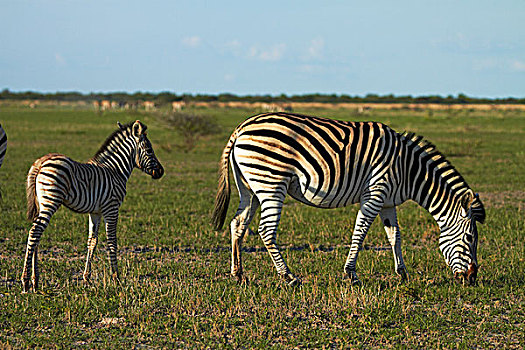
(466, 200)
(120, 126)
(137, 129)
(470, 202)
(478, 210)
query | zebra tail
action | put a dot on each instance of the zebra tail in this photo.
(222, 199)
(32, 199)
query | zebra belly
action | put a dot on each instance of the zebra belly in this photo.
(85, 203)
(298, 190)
(89, 196)
(81, 205)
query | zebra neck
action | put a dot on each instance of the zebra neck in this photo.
(440, 200)
(117, 157)
(432, 182)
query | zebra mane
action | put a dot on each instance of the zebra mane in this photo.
(420, 142)
(112, 137)
(437, 158)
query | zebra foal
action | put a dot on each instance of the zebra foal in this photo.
(328, 163)
(97, 187)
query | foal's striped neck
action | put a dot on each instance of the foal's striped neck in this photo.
(118, 151)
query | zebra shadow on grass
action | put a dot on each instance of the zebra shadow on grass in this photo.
(253, 249)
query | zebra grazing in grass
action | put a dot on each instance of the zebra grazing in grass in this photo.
(97, 187)
(329, 164)
(3, 144)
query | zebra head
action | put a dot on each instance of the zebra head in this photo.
(459, 242)
(145, 158)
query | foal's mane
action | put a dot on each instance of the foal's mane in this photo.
(112, 137)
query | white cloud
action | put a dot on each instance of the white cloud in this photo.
(494, 63)
(471, 44)
(233, 47)
(233, 44)
(518, 66)
(486, 64)
(306, 68)
(60, 59)
(274, 53)
(315, 50)
(253, 52)
(310, 69)
(192, 41)
(458, 42)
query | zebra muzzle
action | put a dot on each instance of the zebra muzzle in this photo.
(472, 274)
(469, 277)
(157, 173)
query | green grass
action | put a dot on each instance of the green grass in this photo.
(176, 290)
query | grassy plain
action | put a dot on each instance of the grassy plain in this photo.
(176, 290)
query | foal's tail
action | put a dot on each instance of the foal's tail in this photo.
(222, 198)
(32, 199)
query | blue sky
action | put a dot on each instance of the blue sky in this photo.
(265, 47)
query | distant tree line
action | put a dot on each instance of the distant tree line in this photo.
(168, 97)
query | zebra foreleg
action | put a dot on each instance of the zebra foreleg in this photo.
(365, 218)
(389, 218)
(111, 218)
(94, 223)
(270, 217)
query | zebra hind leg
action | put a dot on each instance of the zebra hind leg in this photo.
(35, 274)
(389, 218)
(94, 224)
(239, 225)
(248, 205)
(31, 257)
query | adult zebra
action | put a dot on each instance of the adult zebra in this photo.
(3, 144)
(97, 187)
(328, 164)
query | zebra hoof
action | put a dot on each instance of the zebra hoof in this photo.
(403, 273)
(237, 274)
(115, 277)
(295, 283)
(356, 282)
(352, 277)
(26, 286)
(241, 279)
(291, 280)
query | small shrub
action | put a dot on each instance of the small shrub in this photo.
(192, 127)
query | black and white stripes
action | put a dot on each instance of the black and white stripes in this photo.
(3, 144)
(327, 164)
(97, 187)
